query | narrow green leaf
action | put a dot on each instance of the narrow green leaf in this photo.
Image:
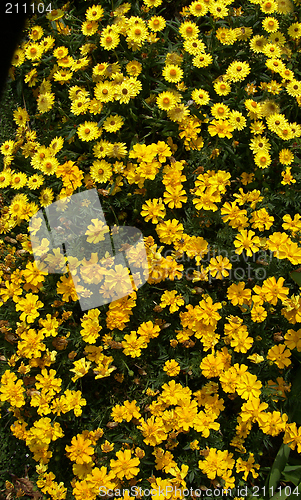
(292, 474)
(296, 275)
(278, 466)
(282, 494)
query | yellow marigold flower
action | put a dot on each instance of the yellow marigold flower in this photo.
(274, 290)
(258, 314)
(153, 210)
(246, 240)
(125, 465)
(287, 177)
(171, 299)
(293, 339)
(80, 450)
(172, 368)
(170, 230)
(29, 307)
(293, 225)
(153, 429)
(279, 355)
(221, 128)
(248, 466)
(238, 294)
(81, 368)
(219, 267)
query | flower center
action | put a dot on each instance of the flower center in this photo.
(108, 39)
(173, 72)
(87, 131)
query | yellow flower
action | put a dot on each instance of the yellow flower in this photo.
(88, 131)
(246, 240)
(21, 117)
(237, 71)
(200, 96)
(270, 24)
(172, 73)
(81, 368)
(34, 51)
(286, 157)
(279, 355)
(189, 30)
(89, 28)
(45, 102)
(153, 210)
(157, 23)
(113, 123)
(172, 368)
(219, 267)
(94, 13)
(80, 450)
(170, 230)
(125, 465)
(166, 100)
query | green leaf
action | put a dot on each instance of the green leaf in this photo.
(278, 466)
(292, 473)
(282, 494)
(296, 275)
